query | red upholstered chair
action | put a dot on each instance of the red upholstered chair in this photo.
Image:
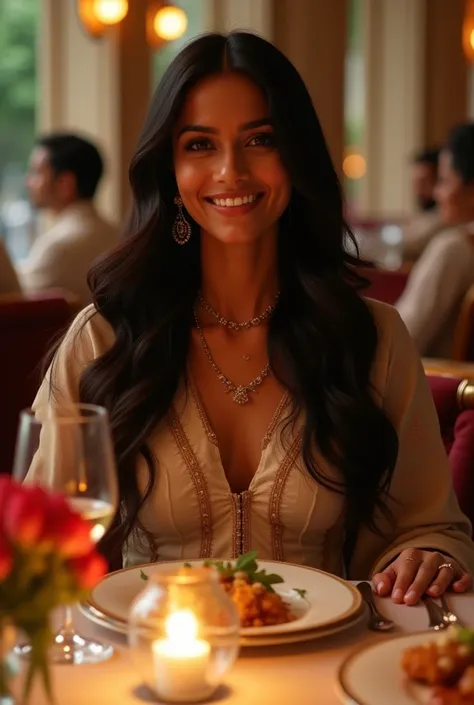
(28, 327)
(454, 400)
(385, 285)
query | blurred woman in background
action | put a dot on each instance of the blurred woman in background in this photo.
(430, 303)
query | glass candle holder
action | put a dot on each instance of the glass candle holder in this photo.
(183, 634)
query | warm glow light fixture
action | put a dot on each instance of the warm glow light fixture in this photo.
(354, 165)
(97, 15)
(165, 23)
(468, 31)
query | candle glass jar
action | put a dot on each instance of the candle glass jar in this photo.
(183, 634)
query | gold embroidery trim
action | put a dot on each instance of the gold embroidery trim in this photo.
(202, 413)
(246, 502)
(198, 479)
(275, 419)
(241, 523)
(277, 494)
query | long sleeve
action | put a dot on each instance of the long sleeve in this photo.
(9, 283)
(435, 287)
(425, 511)
(417, 233)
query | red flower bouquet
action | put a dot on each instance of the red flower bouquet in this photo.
(47, 559)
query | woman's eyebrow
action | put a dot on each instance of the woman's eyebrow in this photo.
(214, 131)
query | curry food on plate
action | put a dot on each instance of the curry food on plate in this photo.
(445, 665)
(251, 589)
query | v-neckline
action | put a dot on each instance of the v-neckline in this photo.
(212, 437)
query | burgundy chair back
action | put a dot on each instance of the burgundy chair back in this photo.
(385, 285)
(28, 327)
(454, 400)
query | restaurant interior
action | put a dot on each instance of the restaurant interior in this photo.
(392, 82)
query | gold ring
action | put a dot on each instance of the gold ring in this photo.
(413, 560)
(447, 565)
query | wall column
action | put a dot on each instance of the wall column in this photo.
(97, 87)
(312, 34)
(394, 79)
(447, 75)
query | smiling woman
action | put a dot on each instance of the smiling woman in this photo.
(257, 400)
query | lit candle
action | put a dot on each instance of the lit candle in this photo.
(181, 661)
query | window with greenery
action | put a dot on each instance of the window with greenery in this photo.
(19, 22)
(354, 161)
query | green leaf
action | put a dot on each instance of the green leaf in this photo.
(143, 575)
(300, 592)
(466, 636)
(244, 561)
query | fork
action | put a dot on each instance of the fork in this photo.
(435, 613)
(449, 616)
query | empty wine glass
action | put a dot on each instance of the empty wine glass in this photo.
(69, 450)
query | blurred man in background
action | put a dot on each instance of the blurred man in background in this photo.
(64, 173)
(419, 230)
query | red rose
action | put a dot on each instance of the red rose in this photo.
(89, 569)
(7, 489)
(6, 559)
(66, 530)
(25, 515)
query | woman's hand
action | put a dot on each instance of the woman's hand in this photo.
(416, 572)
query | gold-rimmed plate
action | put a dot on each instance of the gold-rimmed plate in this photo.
(249, 642)
(373, 674)
(328, 600)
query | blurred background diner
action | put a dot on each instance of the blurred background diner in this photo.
(392, 83)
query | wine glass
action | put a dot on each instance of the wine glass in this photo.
(69, 450)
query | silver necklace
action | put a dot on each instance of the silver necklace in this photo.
(234, 325)
(240, 392)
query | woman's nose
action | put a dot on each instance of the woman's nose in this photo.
(232, 166)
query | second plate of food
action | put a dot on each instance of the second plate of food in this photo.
(314, 599)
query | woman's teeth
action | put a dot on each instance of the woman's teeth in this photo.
(232, 202)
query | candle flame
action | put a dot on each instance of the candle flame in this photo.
(181, 626)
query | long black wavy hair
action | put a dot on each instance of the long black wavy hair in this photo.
(322, 333)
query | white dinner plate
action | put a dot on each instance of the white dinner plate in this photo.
(329, 601)
(373, 675)
(255, 641)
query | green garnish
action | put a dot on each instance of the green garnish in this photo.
(143, 575)
(301, 593)
(247, 563)
(465, 636)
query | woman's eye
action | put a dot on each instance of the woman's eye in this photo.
(263, 139)
(198, 145)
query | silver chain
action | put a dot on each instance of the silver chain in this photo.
(233, 325)
(240, 392)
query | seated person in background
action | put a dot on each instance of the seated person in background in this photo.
(9, 283)
(64, 173)
(441, 277)
(419, 230)
(318, 442)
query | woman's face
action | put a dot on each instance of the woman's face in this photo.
(455, 199)
(226, 161)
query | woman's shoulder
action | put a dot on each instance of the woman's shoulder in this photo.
(394, 345)
(89, 330)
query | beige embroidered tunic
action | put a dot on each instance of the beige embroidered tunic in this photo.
(285, 514)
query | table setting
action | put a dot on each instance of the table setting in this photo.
(328, 654)
(242, 630)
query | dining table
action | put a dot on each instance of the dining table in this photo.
(301, 674)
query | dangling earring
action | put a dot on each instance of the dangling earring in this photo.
(181, 227)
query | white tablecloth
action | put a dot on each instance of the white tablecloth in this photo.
(303, 674)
